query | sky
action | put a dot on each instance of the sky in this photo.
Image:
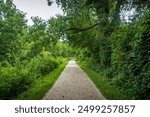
(37, 8)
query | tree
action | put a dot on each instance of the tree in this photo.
(12, 25)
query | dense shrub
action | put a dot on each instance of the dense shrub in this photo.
(14, 80)
(41, 66)
(130, 58)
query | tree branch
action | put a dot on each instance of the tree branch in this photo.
(77, 30)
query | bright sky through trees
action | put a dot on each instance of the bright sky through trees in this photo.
(37, 8)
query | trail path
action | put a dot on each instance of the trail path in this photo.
(73, 84)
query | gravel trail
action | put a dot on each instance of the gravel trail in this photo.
(73, 84)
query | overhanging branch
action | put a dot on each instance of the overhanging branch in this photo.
(77, 30)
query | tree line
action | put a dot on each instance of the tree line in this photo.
(27, 53)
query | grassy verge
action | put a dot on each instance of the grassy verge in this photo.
(107, 89)
(41, 86)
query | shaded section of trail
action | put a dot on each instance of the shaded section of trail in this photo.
(73, 84)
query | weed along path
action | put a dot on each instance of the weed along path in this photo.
(73, 84)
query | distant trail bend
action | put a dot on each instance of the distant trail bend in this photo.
(73, 84)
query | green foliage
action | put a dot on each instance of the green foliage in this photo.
(38, 89)
(130, 58)
(103, 84)
(12, 25)
(116, 46)
(42, 66)
(14, 81)
(27, 53)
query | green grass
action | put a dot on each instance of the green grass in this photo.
(41, 86)
(109, 91)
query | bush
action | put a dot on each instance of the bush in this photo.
(12, 82)
(15, 80)
(130, 58)
(41, 66)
